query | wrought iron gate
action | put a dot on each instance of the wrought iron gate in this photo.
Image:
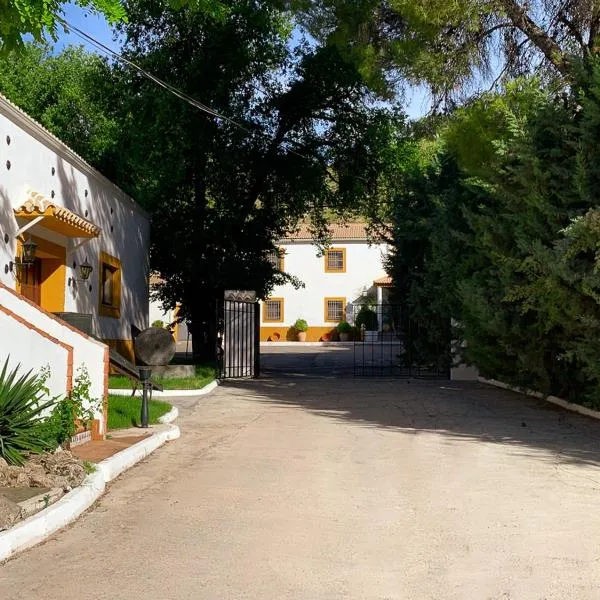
(238, 335)
(388, 345)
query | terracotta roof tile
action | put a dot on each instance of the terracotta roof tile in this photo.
(355, 231)
(385, 281)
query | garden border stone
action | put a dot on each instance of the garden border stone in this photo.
(207, 389)
(40, 526)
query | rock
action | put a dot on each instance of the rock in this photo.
(55, 470)
(10, 513)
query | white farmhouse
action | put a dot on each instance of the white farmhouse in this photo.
(73, 255)
(335, 282)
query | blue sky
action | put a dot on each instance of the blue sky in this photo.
(94, 25)
(417, 103)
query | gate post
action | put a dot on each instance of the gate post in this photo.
(257, 340)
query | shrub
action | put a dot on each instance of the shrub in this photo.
(368, 318)
(158, 323)
(70, 412)
(301, 325)
(344, 327)
(21, 405)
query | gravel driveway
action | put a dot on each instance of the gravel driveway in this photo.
(321, 488)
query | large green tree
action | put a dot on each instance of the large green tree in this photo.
(454, 45)
(293, 124)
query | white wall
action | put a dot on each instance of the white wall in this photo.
(33, 153)
(364, 263)
(86, 351)
(30, 349)
(158, 314)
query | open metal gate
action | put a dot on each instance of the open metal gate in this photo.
(238, 335)
(386, 345)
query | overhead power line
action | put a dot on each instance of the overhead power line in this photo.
(157, 80)
(170, 88)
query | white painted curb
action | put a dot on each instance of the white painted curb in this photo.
(325, 344)
(207, 389)
(582, 410)
(38, 527)
(115, 465)
(170, 416)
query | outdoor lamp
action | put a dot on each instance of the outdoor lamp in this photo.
(29, 248)
(85, 270)
(26, 259)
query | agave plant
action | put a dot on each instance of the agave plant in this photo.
(22, 402)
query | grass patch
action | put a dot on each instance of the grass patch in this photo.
(124, 411)
(204, 374)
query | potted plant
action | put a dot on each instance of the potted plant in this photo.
(366, 320)
(301, 327)
(344, 328)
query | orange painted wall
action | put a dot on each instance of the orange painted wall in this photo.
(288, 334)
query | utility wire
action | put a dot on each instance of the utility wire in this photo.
(167, 86)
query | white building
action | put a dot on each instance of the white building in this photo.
(335, 282)
(73, 248)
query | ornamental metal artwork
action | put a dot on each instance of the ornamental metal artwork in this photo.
(240, 295)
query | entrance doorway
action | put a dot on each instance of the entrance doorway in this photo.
(44, 282)
(31, 282)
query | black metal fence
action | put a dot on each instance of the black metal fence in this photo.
(238, 337)
(387, 344)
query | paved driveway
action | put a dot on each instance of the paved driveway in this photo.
(310, 489)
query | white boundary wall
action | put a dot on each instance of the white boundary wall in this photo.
(86, 351)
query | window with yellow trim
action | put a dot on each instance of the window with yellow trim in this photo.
(273, 310)
(335, 260)
(277, 259)
(110, 286)
(335, 309)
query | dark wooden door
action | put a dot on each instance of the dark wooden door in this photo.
(31, 282)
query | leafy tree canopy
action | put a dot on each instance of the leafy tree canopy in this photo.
(42, 19)
(451, 45)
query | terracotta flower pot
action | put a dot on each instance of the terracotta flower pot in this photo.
(275, 337)
(302, 336)
(325, 337)
(344, 337)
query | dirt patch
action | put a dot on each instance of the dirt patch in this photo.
(99, 450)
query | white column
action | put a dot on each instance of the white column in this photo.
(379, 307)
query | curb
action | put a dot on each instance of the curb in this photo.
(38, 527)
(324, 344)
(170, 416)
(207, 389)
(578, 408)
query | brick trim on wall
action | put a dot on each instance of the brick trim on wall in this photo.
(52, 339)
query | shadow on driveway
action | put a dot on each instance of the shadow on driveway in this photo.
(464, 410)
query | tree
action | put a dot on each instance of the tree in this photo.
(223, 189)
(42, 19)
(451, 45)
(72, 95)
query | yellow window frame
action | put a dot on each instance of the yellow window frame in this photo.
(114, 266)
(326, 257)
(326, 312)
(281, 309)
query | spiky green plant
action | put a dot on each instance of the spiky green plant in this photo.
(22, 402)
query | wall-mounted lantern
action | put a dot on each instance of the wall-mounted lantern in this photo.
(84, 272)
(26, 259)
